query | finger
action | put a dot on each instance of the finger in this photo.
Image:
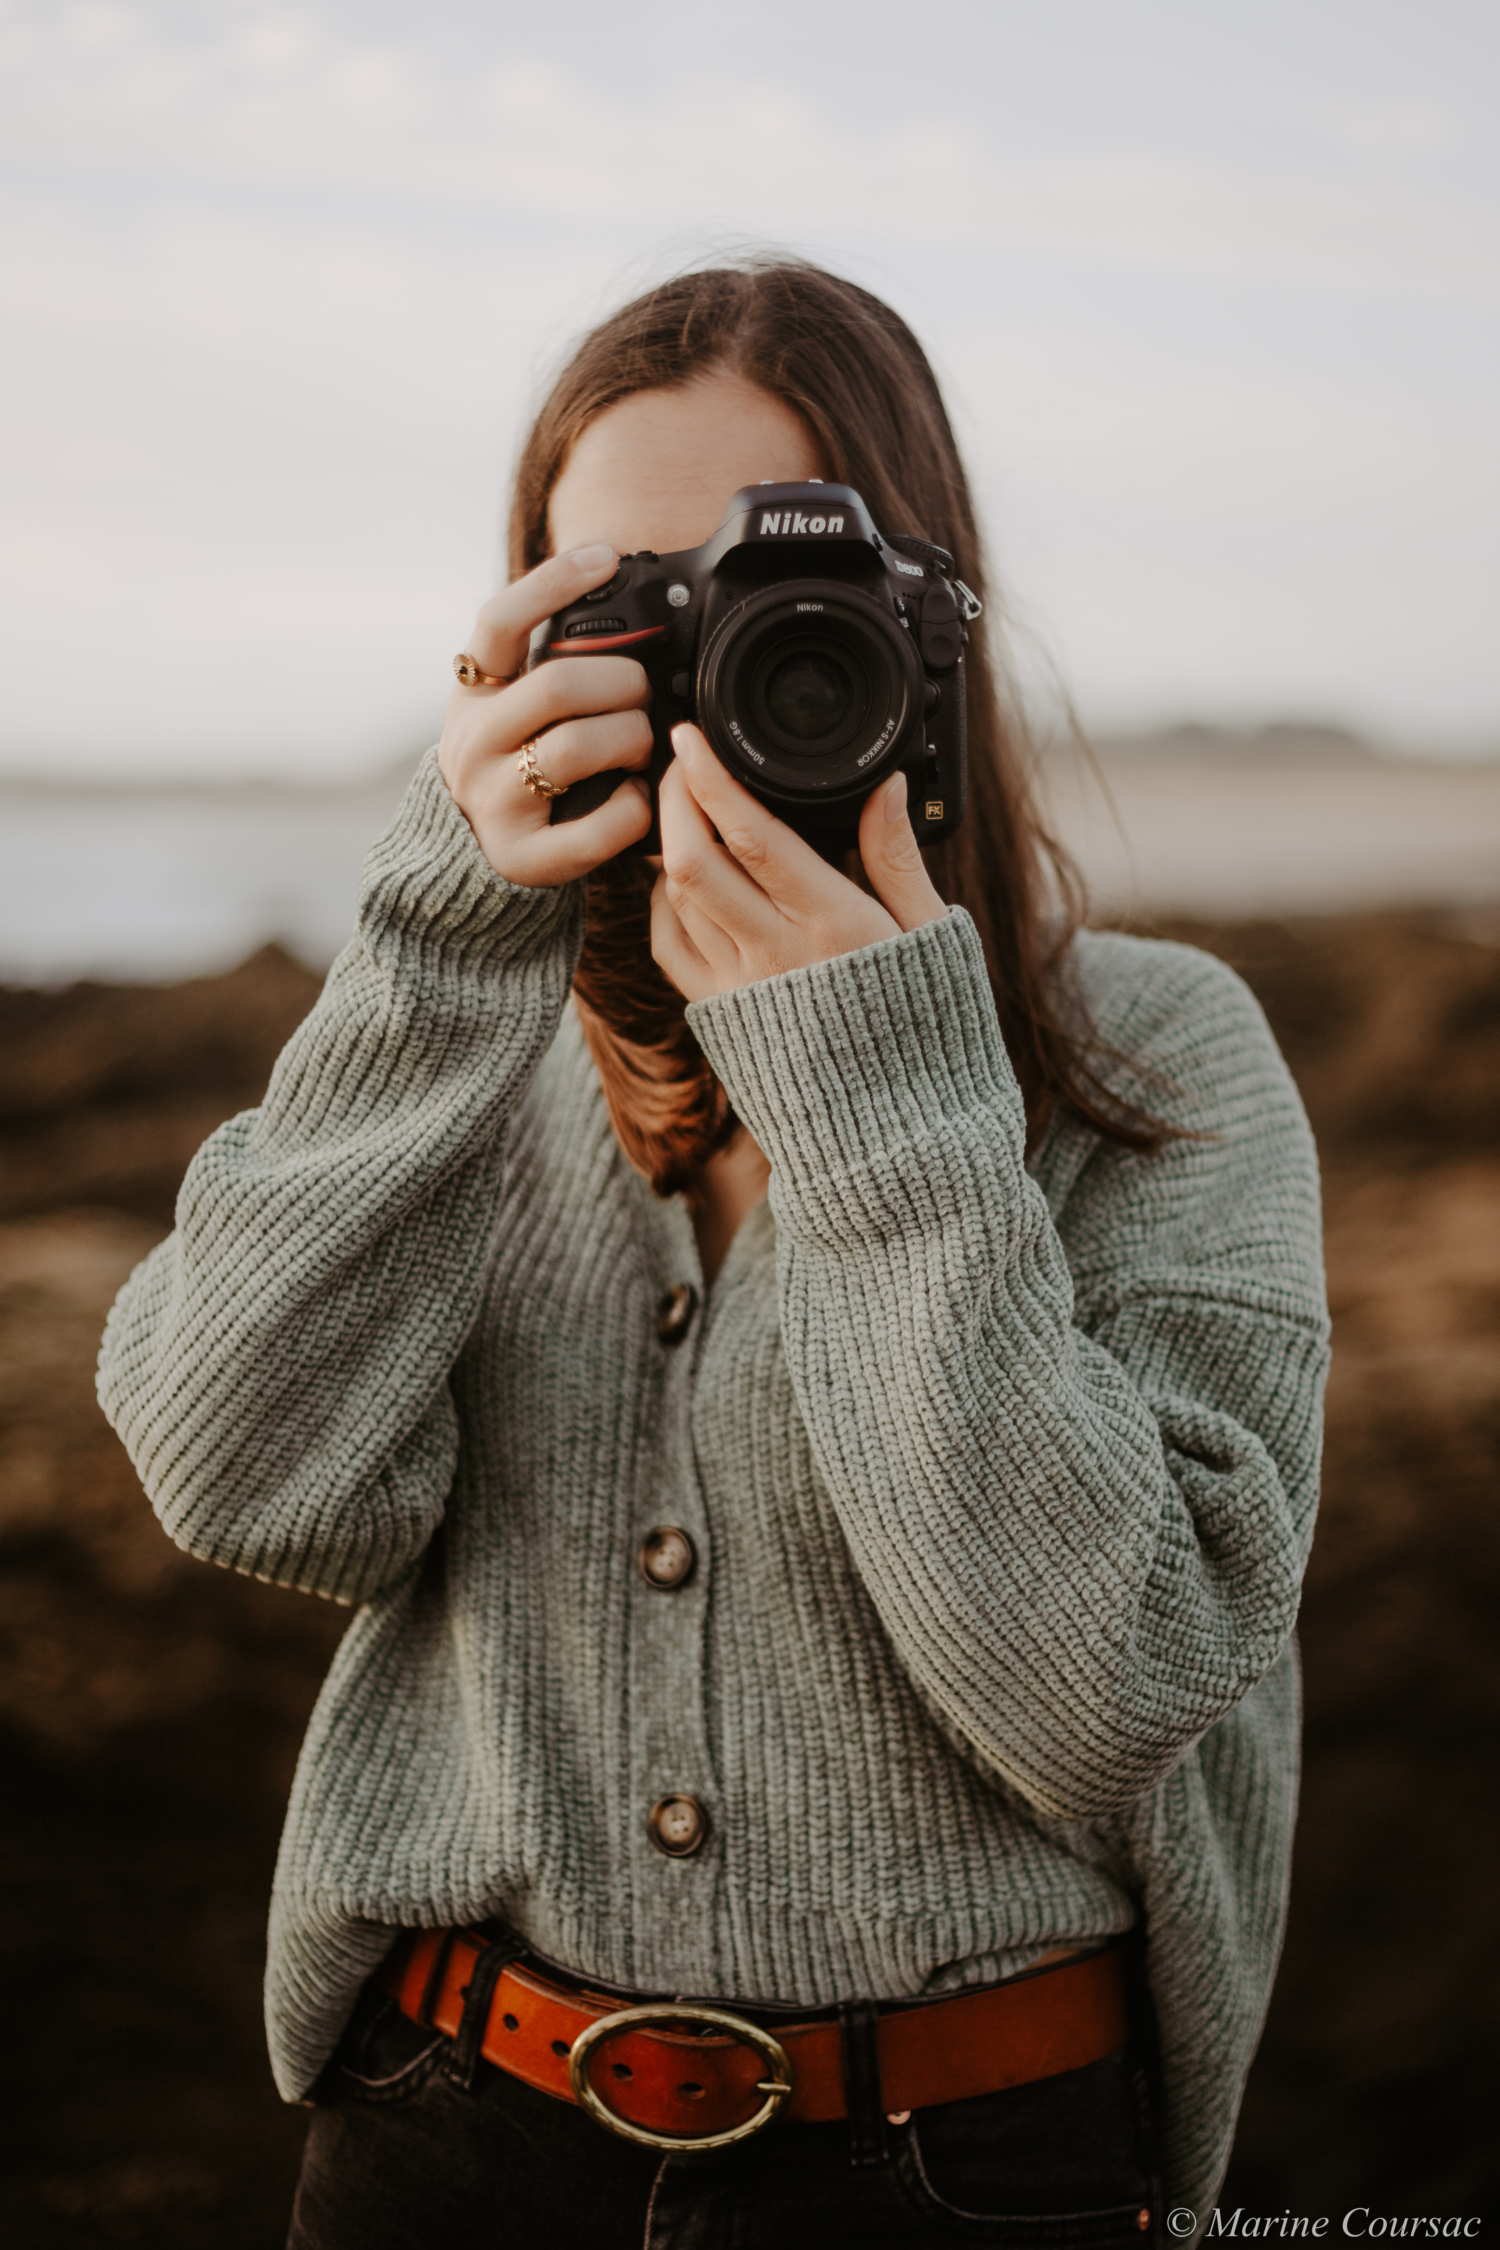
(562, 851)
(781, 864)
(674, 952)
(571, 687)
(715, 944)
(893, 859)
(697, 866)
(580, 747)
(503, 628)
(488, 772)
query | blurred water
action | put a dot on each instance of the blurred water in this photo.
(148, 885)
(153, 884)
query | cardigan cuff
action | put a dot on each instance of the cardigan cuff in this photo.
(843, 1068)
(426, 882)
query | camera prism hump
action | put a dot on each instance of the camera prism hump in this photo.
(817, 656)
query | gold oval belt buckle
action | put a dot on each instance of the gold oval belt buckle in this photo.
(776, 2086)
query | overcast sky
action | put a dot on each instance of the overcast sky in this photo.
(1212, 288)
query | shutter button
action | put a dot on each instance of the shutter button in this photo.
(667, 1557)
(675, 1311)
(678, 1826)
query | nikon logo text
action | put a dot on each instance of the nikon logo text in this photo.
(787, 520)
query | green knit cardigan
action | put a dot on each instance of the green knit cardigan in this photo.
(1001, 1475)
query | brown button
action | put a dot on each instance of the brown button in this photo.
(678, 1826)
(667, 1557)
(675, 1312)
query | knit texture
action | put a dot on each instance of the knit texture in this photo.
(1001, 1476)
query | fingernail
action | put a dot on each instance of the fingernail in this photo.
(895, 797)
(593, 558)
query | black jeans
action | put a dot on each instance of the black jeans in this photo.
(401, 2157)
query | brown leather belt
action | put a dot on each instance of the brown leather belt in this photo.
(678, 2074)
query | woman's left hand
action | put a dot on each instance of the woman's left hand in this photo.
(754, 899)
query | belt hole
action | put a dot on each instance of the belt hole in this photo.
(560, 2047)
(511, 2023)
(621, 2070)
(691, 2091)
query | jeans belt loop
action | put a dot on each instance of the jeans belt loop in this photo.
(478, 1994)
(859, 2024)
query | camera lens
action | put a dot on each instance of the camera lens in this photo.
(808, 695)
(809, 690)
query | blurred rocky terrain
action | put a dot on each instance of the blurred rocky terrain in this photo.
(150, 1708)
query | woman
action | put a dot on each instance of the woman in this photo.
(864, 1608)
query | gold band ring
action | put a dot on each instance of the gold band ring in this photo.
(469, 673)
(533, 776)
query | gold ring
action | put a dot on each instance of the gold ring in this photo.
(533, 776)
(469, 673)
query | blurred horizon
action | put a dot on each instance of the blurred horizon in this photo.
(1273, 743)
(1211, 294)
(133, 879)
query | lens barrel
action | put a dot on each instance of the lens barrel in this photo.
(809, 691)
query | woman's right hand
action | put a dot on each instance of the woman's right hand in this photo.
(586, 714)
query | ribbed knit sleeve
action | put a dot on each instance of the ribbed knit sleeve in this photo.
(278, 1368)
(1078, 1482)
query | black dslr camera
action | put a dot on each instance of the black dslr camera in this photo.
(816, 656)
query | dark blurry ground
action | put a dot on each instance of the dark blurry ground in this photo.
(150, 1709)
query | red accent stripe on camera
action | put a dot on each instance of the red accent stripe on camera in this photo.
(605, 640)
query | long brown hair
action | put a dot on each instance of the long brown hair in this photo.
(861, 382)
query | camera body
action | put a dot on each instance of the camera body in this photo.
(816, 655)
